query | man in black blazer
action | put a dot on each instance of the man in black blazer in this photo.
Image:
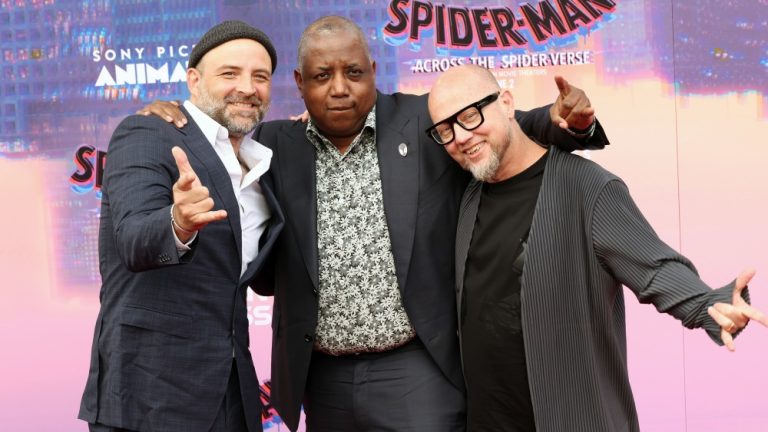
(185, 226)
(364, 321)
(348, 355)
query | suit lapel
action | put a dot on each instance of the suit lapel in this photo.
(399, 179)
(299, 191)
(467, 215)
(276, 221)
(221, 184)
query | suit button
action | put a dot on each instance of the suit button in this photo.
(315, 291)
(308, 338)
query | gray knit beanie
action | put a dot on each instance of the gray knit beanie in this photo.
(227, 31)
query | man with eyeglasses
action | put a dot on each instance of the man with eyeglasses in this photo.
(544, 242)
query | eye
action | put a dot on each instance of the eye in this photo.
(228, 74)
(444, 131)
(322, 76)
(469, 116)
(355, 72)
(261, 78)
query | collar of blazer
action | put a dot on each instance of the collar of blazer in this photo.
(199, 148)
(398, 123)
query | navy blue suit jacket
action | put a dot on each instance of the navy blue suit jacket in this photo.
(168, 326)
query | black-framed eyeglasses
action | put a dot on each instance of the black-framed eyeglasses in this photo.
(469, 118)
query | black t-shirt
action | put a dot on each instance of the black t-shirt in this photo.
(498, 398)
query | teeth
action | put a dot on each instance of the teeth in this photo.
(473, 150)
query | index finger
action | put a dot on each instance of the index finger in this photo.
(562, 86)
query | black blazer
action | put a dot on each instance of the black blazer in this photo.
(422, 192)
(167, 328)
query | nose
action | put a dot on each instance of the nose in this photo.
(339, 85)
(246, 85)
(460, 135)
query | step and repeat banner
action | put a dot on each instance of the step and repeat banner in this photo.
(680, 87)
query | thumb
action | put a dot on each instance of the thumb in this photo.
(562, 85)
(555, 117)
(182, 162)
(741, 282)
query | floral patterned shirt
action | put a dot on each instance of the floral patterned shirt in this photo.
(360, 308)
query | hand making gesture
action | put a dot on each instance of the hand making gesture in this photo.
(572, 108)
(734, 317)
(192, 203)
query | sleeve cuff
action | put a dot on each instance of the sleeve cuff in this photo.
(181, 247)
(583, 133)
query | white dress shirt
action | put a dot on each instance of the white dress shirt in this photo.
(254, 211)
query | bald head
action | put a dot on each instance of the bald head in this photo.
(458, 87)
(326, 26)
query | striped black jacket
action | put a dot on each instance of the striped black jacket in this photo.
(587, 239)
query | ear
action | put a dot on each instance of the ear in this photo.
(373, 66)
(299, 81)
(193, 81)
(508, 102)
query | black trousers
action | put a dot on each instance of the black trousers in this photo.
(399, 390)
(230, 417)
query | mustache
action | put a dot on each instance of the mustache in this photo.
(253, 100)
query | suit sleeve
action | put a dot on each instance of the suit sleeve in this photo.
(630, 250)
(536, 123)
(139, 178)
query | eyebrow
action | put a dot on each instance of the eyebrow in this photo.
(326, 67)
(239, 68)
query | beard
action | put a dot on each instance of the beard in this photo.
(486, 170)
(238, 125)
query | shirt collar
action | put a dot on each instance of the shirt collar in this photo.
(317, 138)
(212, 130)
(254, 154)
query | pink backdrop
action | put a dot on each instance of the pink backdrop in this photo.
(679, 86)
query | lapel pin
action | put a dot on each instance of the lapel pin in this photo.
(403, 149)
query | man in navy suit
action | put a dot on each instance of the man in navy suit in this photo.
(185, 226)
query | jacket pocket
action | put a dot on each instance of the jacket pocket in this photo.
(164, 322)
